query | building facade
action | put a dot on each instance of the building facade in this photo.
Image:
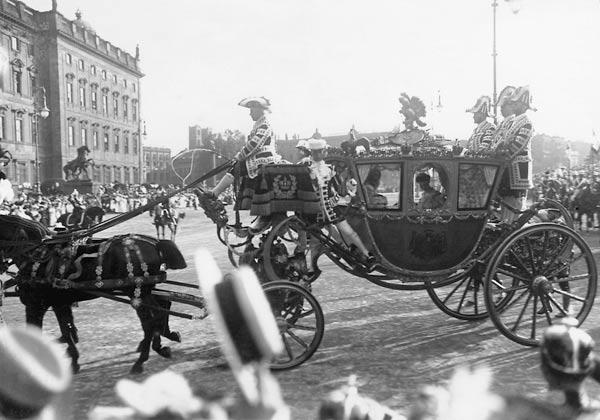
(92, 89)
(157, 166)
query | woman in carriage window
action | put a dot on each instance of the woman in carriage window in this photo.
(374, 199)
(431, 198)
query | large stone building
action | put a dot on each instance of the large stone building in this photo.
(92, 89)
(157, 166)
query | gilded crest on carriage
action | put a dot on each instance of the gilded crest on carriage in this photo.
(285, 186)
(428, 244)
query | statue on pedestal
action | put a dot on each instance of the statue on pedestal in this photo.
(75, 168)
(5, 156)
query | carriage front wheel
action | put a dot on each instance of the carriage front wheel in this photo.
(550, 273)
(300, 321)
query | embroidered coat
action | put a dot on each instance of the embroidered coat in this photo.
(517, 144)
(259, 149)
(482, 136)
(500, 133)
(322, 174)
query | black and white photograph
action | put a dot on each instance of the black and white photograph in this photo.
(299, 209)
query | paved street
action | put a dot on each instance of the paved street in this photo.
(394, 341)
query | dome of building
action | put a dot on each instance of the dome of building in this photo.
(82, 23)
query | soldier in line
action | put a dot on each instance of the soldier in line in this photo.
(518, 177)
(484, 131)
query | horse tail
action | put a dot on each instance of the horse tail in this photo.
(170, 254)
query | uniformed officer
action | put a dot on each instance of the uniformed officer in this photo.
(258, 151)
(516, 144)
(484, 131)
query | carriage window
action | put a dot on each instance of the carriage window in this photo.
(430, 185)
(474, 185)
(381, 185)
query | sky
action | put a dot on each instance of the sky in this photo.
(332, 64)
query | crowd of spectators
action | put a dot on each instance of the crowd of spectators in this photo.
(111, 198)
(577, 189)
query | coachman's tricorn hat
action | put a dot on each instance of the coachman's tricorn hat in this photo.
(523, 95)
(505, 94)
(482, 105)
(256, 102)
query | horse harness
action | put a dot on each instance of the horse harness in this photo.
(61, 266)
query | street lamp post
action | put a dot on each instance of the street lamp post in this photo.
(43, 112)
(494, 55)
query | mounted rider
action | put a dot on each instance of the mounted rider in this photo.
(77, 217)
(483, 133)
(258, 151)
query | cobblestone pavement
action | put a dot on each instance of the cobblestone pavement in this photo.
(394, 341)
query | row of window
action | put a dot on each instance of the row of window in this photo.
(103, 73)
(104, 104)
(105, 174)
(119, 143)
(13, 129)
(17, 84)
(17, 45)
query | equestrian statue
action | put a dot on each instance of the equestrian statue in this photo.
(5, 156)
(75, 168)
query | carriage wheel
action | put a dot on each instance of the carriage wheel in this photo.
(286, 250)
(551, 273)
(553, 211)
(464, 298)
(300, 320)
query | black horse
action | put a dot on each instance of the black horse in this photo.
(78, 166)
(54, 273)
(82, 220)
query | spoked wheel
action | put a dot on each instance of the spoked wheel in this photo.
(550, 272)
(286, 252)
(553, 211)
(464, 298)
(236, 240)
(300, 321)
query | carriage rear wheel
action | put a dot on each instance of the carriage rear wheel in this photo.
(300, 320)
(551, 273)
(464, 298)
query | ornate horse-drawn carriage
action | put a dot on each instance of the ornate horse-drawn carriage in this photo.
(427, 213)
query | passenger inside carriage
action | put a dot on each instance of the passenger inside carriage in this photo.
(431, 198)
(372, 182)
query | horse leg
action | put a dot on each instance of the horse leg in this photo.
(66, 313)
(144, 346)
(165, 328)
(160, 322)
(151, 320)
(64, 316)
